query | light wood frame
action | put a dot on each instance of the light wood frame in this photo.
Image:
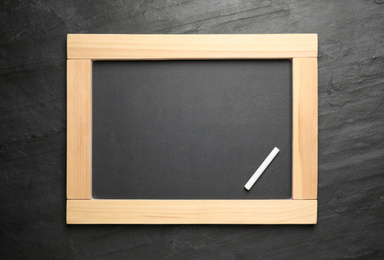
(84, 48)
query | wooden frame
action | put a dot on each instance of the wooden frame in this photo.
(84, 48)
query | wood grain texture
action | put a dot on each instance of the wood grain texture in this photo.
(304, 143)
(191, 211)
(194, 47)
(79, 129)
(158, 46)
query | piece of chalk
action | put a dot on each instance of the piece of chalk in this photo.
(261, 168)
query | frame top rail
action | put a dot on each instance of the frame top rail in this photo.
(191, 46)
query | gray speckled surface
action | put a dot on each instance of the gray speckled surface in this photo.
(191, 129)
(33, 130)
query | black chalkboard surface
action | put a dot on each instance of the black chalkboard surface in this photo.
(191, 129)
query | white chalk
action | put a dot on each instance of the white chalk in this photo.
(261, 168)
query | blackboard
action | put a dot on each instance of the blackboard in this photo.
(191, 129)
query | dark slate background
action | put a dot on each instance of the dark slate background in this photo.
(33, 130)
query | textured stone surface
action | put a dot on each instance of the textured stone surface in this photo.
(33, 130)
